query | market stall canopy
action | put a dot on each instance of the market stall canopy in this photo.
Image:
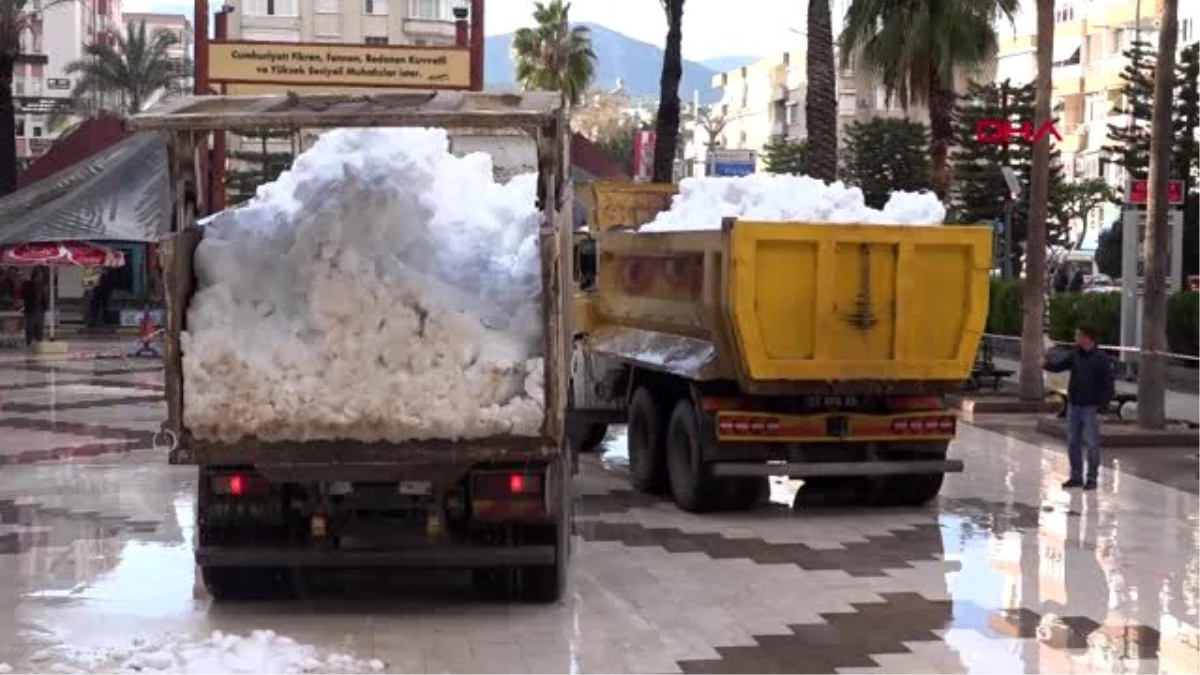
(60, 254)
(119, 194)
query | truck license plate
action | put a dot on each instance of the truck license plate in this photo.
(415, 487)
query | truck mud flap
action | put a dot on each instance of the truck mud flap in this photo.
(462, 557)
(813, 469)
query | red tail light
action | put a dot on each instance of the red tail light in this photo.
(240, 485)
(925, 426)
(748, 426)
(505, 485)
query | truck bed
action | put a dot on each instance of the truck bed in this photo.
(788, 307)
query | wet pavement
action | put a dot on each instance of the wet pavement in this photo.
(1004, 573)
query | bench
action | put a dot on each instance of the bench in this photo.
(985, 368)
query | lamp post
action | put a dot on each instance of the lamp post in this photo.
(461, 10)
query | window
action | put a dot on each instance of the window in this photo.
(20, 126)
(428, 9)
(847, 103)
(19, 85)
(37, 131)
(376, 40)
(328, 6)
(270, 7)
(1064, 14)
(1187, 30)
(375, 7)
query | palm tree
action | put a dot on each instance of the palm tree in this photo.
(16, 17)
(552, 56)
(917, 49)
(1033, 328)
(820, 103)
(1152, 376)
(132, 67)
(666, 126)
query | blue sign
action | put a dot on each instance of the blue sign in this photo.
(732, 169)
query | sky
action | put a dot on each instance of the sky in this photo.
(710, 27)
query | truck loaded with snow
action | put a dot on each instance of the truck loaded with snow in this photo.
(774, 325)
(368, 360)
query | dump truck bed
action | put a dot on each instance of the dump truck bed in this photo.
(791, 307)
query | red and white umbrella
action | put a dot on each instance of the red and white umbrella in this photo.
(61, 254)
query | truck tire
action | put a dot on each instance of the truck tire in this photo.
(647, 451)
(548, 583)
(692, 482)
(914, 489)
(585, 436)
(227, 584)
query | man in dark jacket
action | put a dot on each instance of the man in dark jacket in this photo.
(1088, 395)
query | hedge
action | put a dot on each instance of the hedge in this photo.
(1004, 308)
(1102, 311)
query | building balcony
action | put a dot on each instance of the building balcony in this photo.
(1104, 75)
(1126, 13)
(1020, 44)
(430, 28)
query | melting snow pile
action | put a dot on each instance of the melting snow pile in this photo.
(703, 202)
(383, 289)
(262, 651)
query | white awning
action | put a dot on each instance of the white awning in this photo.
(1067, 52)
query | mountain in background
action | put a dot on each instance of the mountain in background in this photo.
(722, 64)
(637, 63)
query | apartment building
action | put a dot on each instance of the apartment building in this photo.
(58, 35)
(377, 22)
(1090, 37)
(764, 102)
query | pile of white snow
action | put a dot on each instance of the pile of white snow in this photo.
(262, 651)
(702, 202)
(382, 289)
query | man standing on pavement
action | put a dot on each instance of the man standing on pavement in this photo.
(1088, 396)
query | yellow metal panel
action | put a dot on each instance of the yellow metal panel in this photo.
(612, 204)
(875, 302)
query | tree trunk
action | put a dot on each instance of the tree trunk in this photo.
(1033, 327)
(1152, 373)
(820, 103)
(8, 129)
(941, 132)
(666, 136)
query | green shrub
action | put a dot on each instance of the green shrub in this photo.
(1183, 323)
(1101, 311)
(1004, 308)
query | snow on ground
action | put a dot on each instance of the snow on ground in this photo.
(703, 201)
(383, 289)
(262, 651)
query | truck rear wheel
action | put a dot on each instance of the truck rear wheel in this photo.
(914, 489)
(585, 436)
(647, 452)
(692, 483)
(245, 583)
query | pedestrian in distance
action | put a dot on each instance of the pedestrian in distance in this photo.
(35, 296)
(1088, 395)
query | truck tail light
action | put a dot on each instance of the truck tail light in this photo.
(925, 426)
(733, 425)
(240, 484)
(508, 495)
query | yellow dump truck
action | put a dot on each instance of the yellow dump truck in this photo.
(820, 352)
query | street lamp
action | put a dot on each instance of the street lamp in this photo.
(460, 9)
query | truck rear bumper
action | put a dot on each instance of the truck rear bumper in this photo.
(814, 469)
(458, 556)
